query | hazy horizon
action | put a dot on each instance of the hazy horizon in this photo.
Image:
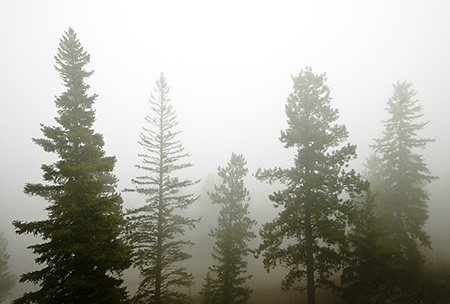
(229, 67)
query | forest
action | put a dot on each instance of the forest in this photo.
(336, 235)
(303, 147)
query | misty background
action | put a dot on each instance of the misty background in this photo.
(228, 65)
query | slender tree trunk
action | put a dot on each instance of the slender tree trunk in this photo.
(310, 288)
(309, 255)
(158, 265)
(159, 253)
(158, 272)
(227, 276)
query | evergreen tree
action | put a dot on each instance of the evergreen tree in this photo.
(402, 198)
(369, 268)
(232, 234)
(7, 279)
(82, 253)
(371, 173)
(312, 222)
(155, 229)
(207, 291)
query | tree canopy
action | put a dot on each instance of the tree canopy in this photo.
(311, 224)
(400, 174)
(225, 281)
(155, 229)
(82, 254)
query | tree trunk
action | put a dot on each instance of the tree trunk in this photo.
(309, 243)
(309, 255)
(159, 241)
(158, 280)
(158, 266)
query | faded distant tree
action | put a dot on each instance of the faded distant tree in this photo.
(371, 173)
(7, 279)
(369, 267)
(233, 232)
(82, 254)
(207, 291)
(402, 176)
(305, 235)
(203, 208)
(155, 230)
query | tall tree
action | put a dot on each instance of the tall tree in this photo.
(155, 229)
(402, 199)
(7, 279)
(312, 222)
(232, 234)
(83, 254)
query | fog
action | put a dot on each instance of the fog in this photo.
(228, 65)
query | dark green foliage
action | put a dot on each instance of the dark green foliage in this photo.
(155, 229)
(401, 176)
(305, 234)
(232, 234)
(82, 253)
(7, 279)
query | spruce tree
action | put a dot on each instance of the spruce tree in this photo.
(232, 235)
(155, 230)
(7, 279)
(82, 254)
(401, 195)
(311, 225)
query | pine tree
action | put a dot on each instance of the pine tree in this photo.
(155, 229)
(7, 279)
(232, 234)
(312, 222)
(402, 198)
(82, 252)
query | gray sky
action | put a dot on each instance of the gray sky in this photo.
(228, 65)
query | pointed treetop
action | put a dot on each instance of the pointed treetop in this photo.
(71, 59)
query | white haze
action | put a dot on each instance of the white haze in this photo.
(228, 65)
